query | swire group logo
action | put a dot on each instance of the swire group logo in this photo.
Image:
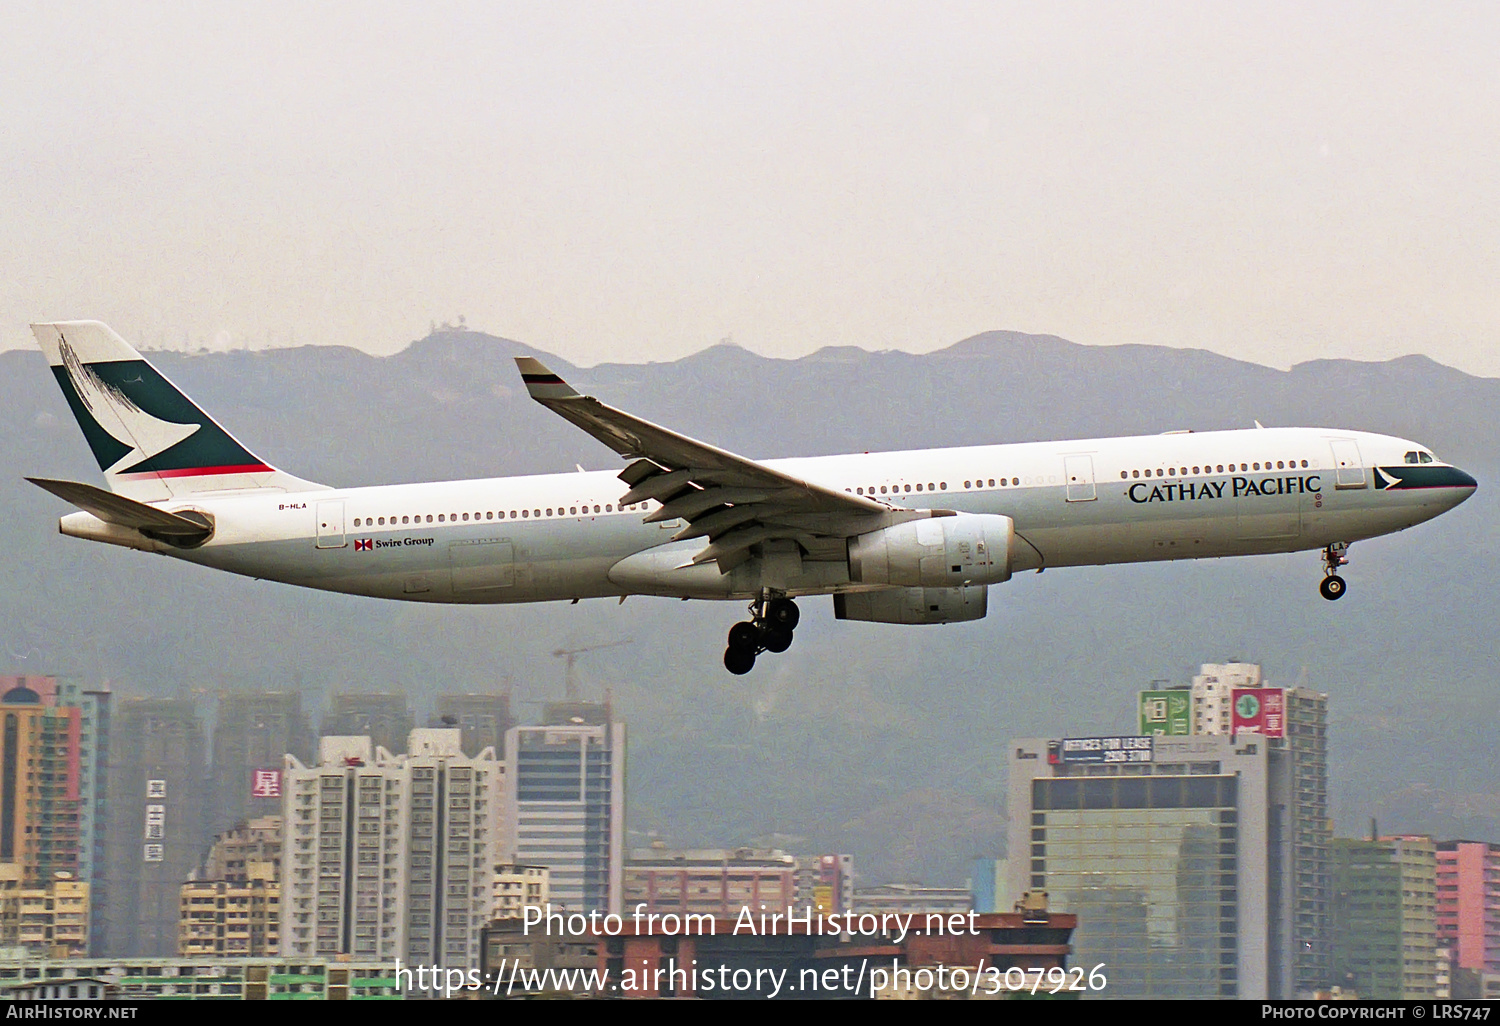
(363, 545)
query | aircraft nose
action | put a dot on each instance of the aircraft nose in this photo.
(1463, 480)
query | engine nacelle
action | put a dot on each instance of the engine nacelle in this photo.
(940, 552)
(914, 605)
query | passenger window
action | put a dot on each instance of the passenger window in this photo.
(573, 510)
(609, 507)
(1221, 468)
(406, 520)
(859, 491)
(1255, 466)
(882, 489)
(549, 511)
(943, 486)
(992, 482)
(440, 519)
(382, 521)
(919, 487)
(466, 516)
(966, 484)
(526, 513)
(929, 487)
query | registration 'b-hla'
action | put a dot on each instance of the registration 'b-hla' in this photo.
(912, 537)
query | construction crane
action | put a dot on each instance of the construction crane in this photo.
(570, 680)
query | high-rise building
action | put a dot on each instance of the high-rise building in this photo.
(1230, 698)
(39, 785)
(156, 833)
(484, 719)
(1304, 832)
(252, 731)
(1385, 917)
(566, 803)
(1159, 845)
(390, 856)
(88, 767)
(1468, 904)
(384, 718)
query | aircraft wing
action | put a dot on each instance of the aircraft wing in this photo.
(732, 502)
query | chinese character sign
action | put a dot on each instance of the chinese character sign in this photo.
(1166, 713)
(1259, 710)
(265, 783)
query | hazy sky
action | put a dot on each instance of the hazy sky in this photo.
(631, 182)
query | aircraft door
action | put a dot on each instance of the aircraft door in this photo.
(1349, 468)
(1079, 472)
(330, 520)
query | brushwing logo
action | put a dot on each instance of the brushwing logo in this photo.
(118, 416)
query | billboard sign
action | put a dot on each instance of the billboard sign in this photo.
(1166, 713)
(1259, 710)
(1099, 749)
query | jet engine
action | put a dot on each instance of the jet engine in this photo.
(940, 552)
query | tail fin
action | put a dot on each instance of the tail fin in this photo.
(151, 441)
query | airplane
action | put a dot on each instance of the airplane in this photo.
(912, 537)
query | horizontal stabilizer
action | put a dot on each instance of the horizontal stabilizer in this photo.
(117, 509)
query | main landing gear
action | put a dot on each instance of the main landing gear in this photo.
(772, 621)
(1333, 557)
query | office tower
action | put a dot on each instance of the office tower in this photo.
(1385, 917)
(709, 881)
(566, 802)
(390, 856)
(1468, 904)
(1158, 844)
(484, 719)
(384, 718)
(156, 834)
(252, 732)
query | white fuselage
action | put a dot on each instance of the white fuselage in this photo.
(563, 536)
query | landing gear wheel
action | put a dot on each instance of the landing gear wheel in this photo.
(745, 637)
(1332, 587)
(783, 612)
(776, 639)
(739, 661)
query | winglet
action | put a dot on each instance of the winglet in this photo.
(542, 383)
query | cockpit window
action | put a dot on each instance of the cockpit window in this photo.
(1411, 457)
(1425, 457)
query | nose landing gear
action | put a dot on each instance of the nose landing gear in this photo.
(772, 621)
(1334, 556)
